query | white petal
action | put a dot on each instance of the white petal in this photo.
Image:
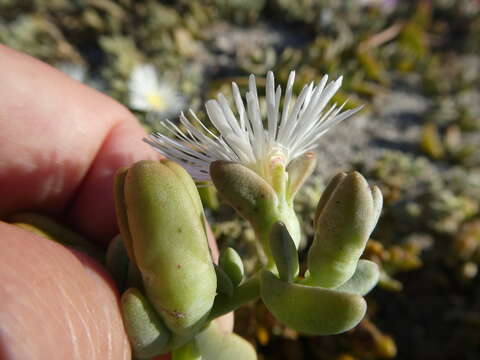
(246, 139)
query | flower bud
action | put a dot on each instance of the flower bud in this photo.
(165, 221)
(345, 218)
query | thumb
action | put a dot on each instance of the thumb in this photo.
(56, 303)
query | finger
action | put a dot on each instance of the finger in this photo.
(52, 130)
(55, 304)
(92, 209)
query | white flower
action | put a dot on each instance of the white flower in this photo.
(245, 139)
(385, 6)
(147, 93)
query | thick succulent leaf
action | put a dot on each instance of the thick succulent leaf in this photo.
(117, 261)
(187, 181)
(311, 310)
(230, 262)
(298, 171)
(341, 232)
(364, 279)
(147, 333)
(284, 252)
(134, 277)
(214, 344)
(255, 199)
(121, 211)
(243, 189)
(377, 204)
(224, 284)
(170, 245)
(332, 185)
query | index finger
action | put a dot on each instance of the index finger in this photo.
(61, 143)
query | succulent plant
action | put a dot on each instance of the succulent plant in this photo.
(173, 289)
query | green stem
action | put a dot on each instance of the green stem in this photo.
(306, 281)
(246, 292)
(263, 226)
(188, 351)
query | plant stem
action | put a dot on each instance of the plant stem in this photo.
(188, 351)
(246, 292)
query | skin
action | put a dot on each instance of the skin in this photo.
(60, 144)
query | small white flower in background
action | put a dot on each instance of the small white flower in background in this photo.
(385, 6)
(288, 133)
(149, 94)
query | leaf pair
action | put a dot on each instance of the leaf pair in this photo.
(229, 271)
(313, 309)
(149, 337)
(346, 215)
(264, 200)
(162, 222)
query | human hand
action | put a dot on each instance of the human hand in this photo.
(61, 144)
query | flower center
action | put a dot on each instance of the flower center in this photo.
(272, 168)
(156, 101)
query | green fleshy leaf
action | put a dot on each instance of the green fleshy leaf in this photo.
(117, 261)
(364, 279)
(342, 230)
(224, 284)
(284, 252)
(134, 277)
(311, 310)
(170, 245)
(377, 204)
(332, 185)
(147, 333)
(121, 212)
(208, 195)
(187, 181)
(298, 171)
(230, 262)
(255, 199)
(213, 344)
(243, 189)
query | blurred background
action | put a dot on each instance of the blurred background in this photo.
(415, 65)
